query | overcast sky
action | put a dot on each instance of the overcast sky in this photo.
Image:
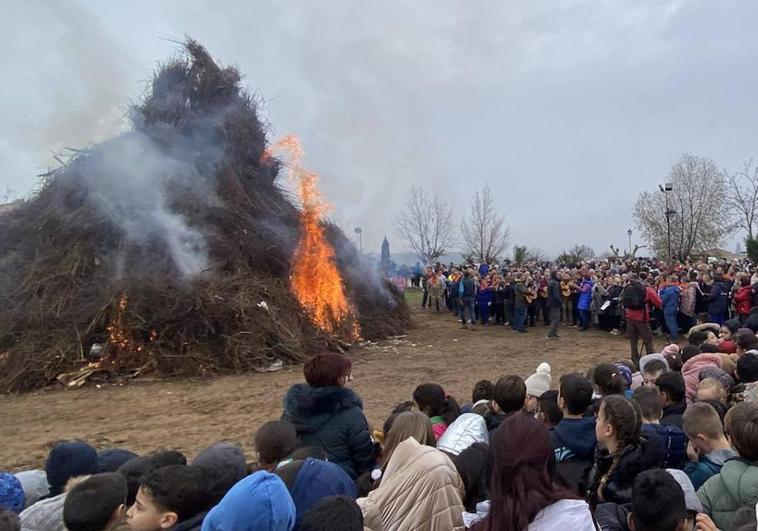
(567, 109)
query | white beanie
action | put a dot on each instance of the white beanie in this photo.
(540, 381)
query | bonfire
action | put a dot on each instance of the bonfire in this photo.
(173, 249)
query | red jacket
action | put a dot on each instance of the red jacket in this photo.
(743, 299)
(642, 314)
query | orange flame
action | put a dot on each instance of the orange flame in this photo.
(316, 282)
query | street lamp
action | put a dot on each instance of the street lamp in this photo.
(666, 189)
(359, 232)
(629, 233)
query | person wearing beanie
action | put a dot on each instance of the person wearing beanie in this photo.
(259, 502)
(225, 464)
(111, 459)
(69, 460)
(11, 493)
(536, 384)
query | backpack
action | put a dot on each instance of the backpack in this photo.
(633, 297)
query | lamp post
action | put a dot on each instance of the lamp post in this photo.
(666, 188)
(629, 233)
(359, 232)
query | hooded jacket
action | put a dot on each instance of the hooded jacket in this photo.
(707, 466)
(743, 300)
(734, 487)
(467, 429)
(670, 296)
(573, 441)
(634, 458)
(671, 442)
(673, 413)
(585, 294)
(332, 418)
(691, 371)
(260, 502)
(718, 299)
(420, 491)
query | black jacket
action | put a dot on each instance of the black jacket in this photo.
(194, 523)
(612, 516)
(634, 459)
(332, 418)
(672, 414)
(554, 296)
(469, 288)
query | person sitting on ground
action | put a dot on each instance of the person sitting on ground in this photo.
(537, 384)
(333, 513)
(670, 440)
(747, 373)
(608, 380)
(573, 439)
(672, 388)
(171, 497)
(657, 503)
(327, 414)
(694, 366)
(404, 426)
(651, 369)
(746, 340)
(621, 454)
(473, 467)
(111, 459)
(12, 495)
(467, 429)
(68, 460)
(480, 397)
(47, 514)
(509, 398)
(224, 465)
(258, 502)
(727, 344)
(736, 484)
(34, 483)
(548, 410)
(708, 448)
(274, 441)
(96, 504)
(441, 408)
(689, 352)
(711, 389)
(522, 493)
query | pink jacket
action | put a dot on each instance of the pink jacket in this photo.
(691, 371)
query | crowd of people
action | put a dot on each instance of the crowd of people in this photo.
(665, 441)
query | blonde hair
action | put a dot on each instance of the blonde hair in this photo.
(714, 389)
(701, 418)
(409, 424)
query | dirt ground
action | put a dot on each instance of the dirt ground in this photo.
(189, 415)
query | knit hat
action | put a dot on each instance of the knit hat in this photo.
(540, 381)
(111, 459)
(11, 493)
(726, 381)
(691, 500)
(670, 350)
(68, 460)
(34, 483)
(644, 360)
(625, 374)
(225, 464)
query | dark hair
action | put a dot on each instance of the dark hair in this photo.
(654, 366)
(168, 457)
(709, 348)
(91, 504)
(510, 393)
(626, 418)
(608, 380)
(703, 317)
(403, 407)
(747, 367)
(520, 483)
(471, 464)
(693, 275)
(134, 470)
(690, 351)
(182, 489)
(733, 325)
(741, 424)
(697, 337)
(275, 440)
(548, 404)
(333, 513)
(576, 391)
(483, 390)
(657, 501)
(674, 361)
(325, 369)
(433, 401)
(672, 383)
(650, 402)
(745, 338)
(9, 520)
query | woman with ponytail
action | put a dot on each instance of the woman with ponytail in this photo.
(442, 409)
(622, 452)
(522, 494)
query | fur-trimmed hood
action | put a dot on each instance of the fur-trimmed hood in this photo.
(308, 408)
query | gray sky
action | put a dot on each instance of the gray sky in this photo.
(567, 109)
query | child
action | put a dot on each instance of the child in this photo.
(711, 389)
(548, 410)
(480, 397)
(334, 513)
(672, 388)
(442, 409)
(573, 439)
(747, 372)
(537, 384)
(708, 447)
(259, 501)
(168, 496)
(736, 485)
(651, 369)
(607, 380)
(275, 441)
(69, 460)
(671, 440)
(509, 397)
(621, 454)
(96, 504)
(657, 503)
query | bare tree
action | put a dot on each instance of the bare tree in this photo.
(578, 253)
(484, 233)
(523, 254)
(426, 222)
(701, 215)
(742, 197)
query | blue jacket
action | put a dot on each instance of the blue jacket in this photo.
(708, 465)
(259, 502)
(332, 418)
(573, 441)
(718, 299)
(670, 296)
(585, 295)
(670, 442)
(484, 296)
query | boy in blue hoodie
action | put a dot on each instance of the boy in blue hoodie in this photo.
(708, 447)
(573, 439)
(670, 296)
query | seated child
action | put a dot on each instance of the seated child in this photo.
(657, 503)
(548, 410)
(708, 448)
(334, 513)
(96, 504)
(711, 389)
(670, 441)
(275, 441)
(509, 397)
(537, 384)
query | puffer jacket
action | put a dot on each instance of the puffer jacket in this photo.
(691, 371)
(467, 429)
(634, 458)
(332, 418)
(718, 299)
(420, 491)
(743, 300)
(734, 487)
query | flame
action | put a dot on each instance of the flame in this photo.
(315, 281)
(118, 336)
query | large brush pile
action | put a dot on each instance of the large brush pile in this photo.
(168, 248)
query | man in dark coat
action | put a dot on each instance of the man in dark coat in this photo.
(554, 302)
